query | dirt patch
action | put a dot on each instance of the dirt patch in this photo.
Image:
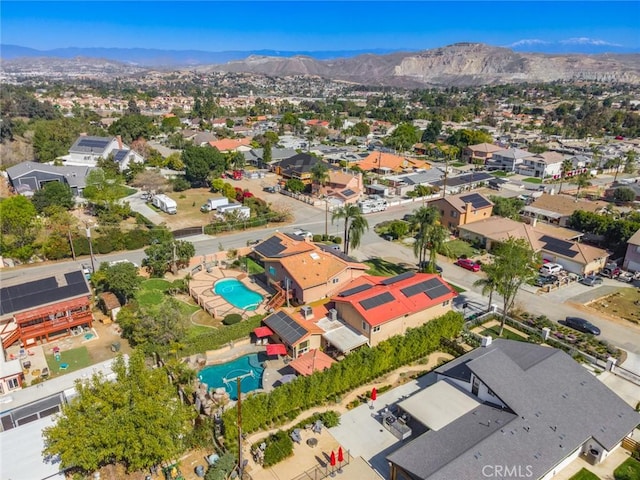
(623, 304)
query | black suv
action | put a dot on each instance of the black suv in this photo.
(543, 280)
(581, 325)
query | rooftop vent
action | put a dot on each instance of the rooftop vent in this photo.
(307, 312)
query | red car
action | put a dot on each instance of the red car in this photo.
(468, 264)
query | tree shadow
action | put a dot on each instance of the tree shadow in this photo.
(380, 266)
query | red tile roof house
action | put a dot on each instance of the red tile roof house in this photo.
(381, 307)
(232, 144)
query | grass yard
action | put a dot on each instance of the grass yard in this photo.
(499, 173)
(585, 474)
(506, 333)
(628, 470)
(532, 180)
(253, 267)
(621, 304)
(457, 288)
(383, 268)
(152, 292)
(75, 359)
(458, 248)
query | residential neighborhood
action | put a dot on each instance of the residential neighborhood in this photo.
(231, 275)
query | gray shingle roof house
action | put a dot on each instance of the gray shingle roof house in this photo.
(539, 410)
(29, 177)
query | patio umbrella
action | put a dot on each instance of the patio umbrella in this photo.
(333, 458)
(340, 455)
(374, 394)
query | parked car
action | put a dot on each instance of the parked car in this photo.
(626, 277)
(610, 272)
(253, 242)
(468, 264)
(543, 280)
(591, 280)
(581, 325)
(551, 269)
(302, 233)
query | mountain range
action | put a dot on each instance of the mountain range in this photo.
(459, 64)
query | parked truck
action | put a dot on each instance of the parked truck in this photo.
(214, 203)
(164, 203)
(240, 210)
(373, 204)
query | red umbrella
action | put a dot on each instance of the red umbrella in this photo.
(333, 458)
(340, 455)
(374, 393)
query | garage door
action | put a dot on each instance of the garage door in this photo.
(633, 267)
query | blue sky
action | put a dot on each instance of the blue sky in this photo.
(316, 25)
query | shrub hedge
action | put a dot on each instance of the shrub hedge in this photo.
(287, 401)
(218, 337)
(232, 319)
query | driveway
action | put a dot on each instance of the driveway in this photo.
(138, 204)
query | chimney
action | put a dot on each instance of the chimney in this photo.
(307, 312)
(467, 210)
(119, 139)
(486, 341)
(333, 314)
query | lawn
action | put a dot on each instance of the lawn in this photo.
(458, 248)
(506, 333)
(383, 268)
(532, 180)
(75, 358)
(621, 304)
(457, 288)
(253, 268)
(499, 173)
(152, 292)
(628, 470)
(585, 474)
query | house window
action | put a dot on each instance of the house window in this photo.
(446, 302)
(272, 271)
(454, 214)
(490, 392)
(376, 329)
(13, 383)
(335, 280)
(364, 326)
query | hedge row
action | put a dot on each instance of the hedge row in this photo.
(221, 336)
(263, 410)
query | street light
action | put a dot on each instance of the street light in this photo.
(326, 215)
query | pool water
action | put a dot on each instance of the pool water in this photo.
(248, 367)
(88, 336)
(234, 292)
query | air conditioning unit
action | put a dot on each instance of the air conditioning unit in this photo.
(307, 312)
(333, 314)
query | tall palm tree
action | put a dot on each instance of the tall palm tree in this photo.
(319, 175)
(566, 167)
(420, 220)
(436, 238)
(581, 181)
(350, 213)
(356, 230)
(488, 284)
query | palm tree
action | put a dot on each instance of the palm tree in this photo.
(436, 236)
(319, 174)
(421, 219)
(581, 181)
(567, 166)
(488, 284)
(356, 230)
(350, 213)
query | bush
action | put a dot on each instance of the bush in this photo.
(318, 238)
(136, 239)
(337, 240)
(180, 184)
(81, 246)
(219, 337)
(232, 319)
(279, 447)
(103, 245)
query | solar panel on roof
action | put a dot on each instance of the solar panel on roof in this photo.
(348, 192)
(271, 247)
(376, 301)
(477, 200)
(412, 290)
(437, 292)
(556, 245)
(120, 155)
(92, 143)
(354, 290)
(397, 278)
(286, 327)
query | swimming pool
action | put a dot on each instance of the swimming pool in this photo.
(234, 292)
(249, 368)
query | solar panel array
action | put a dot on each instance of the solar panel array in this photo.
(93, 143)
(271, 247)
(286, 327)
(348, 192)
(432, 288)
(376, 301)
(475, 199)
(41, 292)
(120, 155)
(397, 278)
(561, 247)
(354, 290)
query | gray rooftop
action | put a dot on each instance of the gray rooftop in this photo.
(75, 176)
(91, 144)
(557, 406)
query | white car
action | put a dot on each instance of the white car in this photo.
(303, 233)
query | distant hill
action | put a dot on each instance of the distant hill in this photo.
(459, 64)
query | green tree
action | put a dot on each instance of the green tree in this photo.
(53, 138)
(432, 132)
(294, 185)
(488, 283)
(565, 168)
(267, 154)
(199, 161)
(360, 129)
(398, 228)
(515, 264)
(135, 420)
(168, 255)
(403, 137)
(121, 279)
(630, 161)
(153, 326)
(354, 225)
(18, 222)
(581, 181)
(624, 195)
(103, 190)
(132, 127)
(420, 221)
(320, 175)
(53, 193)
(507, 207)
(170, 124)
(436, 237)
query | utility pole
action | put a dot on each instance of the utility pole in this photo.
(73, 250)
(88, 230)
(239, 406)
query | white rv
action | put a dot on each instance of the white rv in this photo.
(241, 210)
(373, 204)
(164, 203)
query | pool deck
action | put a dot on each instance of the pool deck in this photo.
(201, 290)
